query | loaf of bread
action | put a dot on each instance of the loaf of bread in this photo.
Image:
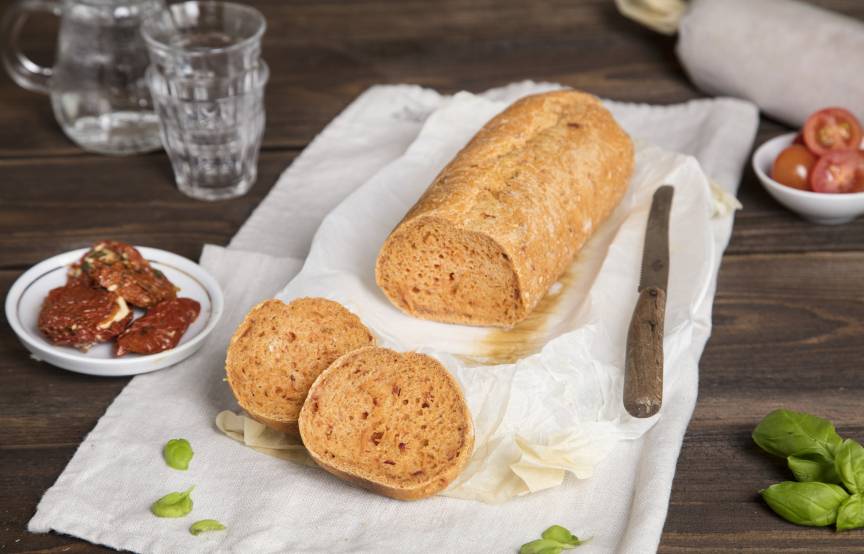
(393, 423)
(506, 217)
(279, 350)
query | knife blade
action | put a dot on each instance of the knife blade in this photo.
(643, 366)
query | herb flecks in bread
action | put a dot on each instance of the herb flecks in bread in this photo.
(279, 349)
(394, 423)
(505, 218)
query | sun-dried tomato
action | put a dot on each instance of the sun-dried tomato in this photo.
(80, 316)
(119, 267)
(160, 329)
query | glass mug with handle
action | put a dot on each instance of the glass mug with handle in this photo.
(98, 84)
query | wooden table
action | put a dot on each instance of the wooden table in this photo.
(787, 317)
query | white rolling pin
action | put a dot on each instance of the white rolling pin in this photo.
(788, 57)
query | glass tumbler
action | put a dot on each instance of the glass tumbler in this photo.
(211, 130)
(216, 39)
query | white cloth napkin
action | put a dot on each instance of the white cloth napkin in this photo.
(790, 58)
(270, 505)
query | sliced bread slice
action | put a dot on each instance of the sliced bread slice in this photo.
(394, 423)
(279, 350)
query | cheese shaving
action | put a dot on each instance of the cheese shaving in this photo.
(121, 311)
(723, 203)
(261, 438)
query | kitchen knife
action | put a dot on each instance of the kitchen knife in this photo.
(643, 366)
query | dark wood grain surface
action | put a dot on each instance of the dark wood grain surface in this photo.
(787, 317)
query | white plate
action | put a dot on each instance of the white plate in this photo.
(24, 302)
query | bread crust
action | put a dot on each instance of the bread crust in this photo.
(414, 491)
(279, 349)
(522, 197)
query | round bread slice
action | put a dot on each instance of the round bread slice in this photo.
(394, 423)
(279, 349)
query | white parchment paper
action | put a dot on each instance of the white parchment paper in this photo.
(559, 409)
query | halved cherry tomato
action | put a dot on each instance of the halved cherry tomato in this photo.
(792, 167)
(832, 129)
(839, 171)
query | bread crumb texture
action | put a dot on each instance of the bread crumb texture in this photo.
(279, 350)
(394, 423)
(500, 224)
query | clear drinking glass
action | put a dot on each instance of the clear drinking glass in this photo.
(97, 86)
(207, 81)
(211, 129)
(217, 39)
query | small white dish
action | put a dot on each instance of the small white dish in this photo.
(818, 207)
(24, 302)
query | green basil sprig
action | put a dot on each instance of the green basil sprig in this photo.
(813, 504)
(821, 461)
(205, 525)
(178, 453)
(784, 433)
(173, 504)
(554, 540)
(809, 440)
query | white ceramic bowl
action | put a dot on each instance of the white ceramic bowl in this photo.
(818, 207)
(24, 302)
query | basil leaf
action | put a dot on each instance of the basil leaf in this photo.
(786, 433)
(205, 525)
(541, 546)
(554, 540)
(178, 453)
(561, 535)
(850, 465)
(813, 504)
(813, 466)
(851, 513)
(173, 504)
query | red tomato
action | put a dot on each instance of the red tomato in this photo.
(839, 171)
(832, 129)
(792, 167)
(799, 139)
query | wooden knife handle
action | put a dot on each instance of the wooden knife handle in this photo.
(643, 369)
